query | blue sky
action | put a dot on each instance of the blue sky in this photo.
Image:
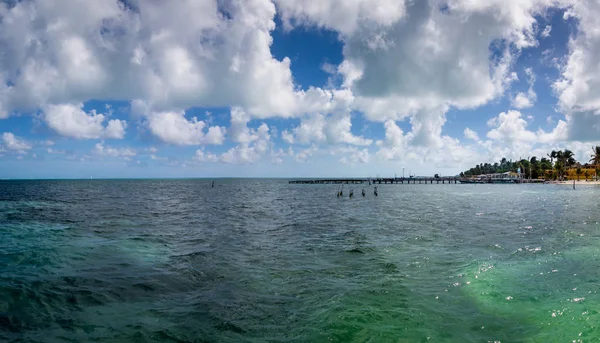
(292, 89)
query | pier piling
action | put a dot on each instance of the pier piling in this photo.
(392, 181)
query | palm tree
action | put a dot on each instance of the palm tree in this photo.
(552, 156)
(569, 158)
(595, 160)
(559, 165)
(545, 164)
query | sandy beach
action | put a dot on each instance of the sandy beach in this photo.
(581, 182)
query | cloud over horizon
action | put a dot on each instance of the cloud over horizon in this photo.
(434, 85)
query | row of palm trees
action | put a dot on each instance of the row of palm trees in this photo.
(554, 167)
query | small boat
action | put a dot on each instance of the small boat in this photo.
(471, 181)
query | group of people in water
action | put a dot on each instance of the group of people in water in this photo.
(340, 192)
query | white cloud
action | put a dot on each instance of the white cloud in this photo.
(70, 120)
(394, 145)
(115, 129)
(328, 120)
(239, 131)
(320, 128)
(172, 127)
(304, 154)
(546, 32)
(104, 150)
(287, 137)
(158, 158)
(577, 88)
(420, 60)
(521, 100)
(277, 157)
(470, 134)
(526, 100)
(203, 156)
(449, 153)
(340, 15)
(511, 138)
(252, 151)
(56, 151)
(167, 54)
(356, 156)
(510, 127)
(12, 142)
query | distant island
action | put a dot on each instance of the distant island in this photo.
(557, 166)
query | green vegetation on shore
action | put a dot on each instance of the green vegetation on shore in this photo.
(556, 165)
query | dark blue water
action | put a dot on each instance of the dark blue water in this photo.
(265, 261)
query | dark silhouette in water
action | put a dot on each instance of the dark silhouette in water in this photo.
(351, 192)
(375, 191)
(363, 192)
(213, 184)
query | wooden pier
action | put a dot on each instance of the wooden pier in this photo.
(379, 181)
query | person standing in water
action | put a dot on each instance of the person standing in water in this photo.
(363, 192)
(375, 191)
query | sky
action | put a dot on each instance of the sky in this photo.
(302, 88)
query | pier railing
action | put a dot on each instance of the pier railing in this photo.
(379, 181)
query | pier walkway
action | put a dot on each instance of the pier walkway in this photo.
(379, 181)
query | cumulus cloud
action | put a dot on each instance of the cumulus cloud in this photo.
(546, 32)
(304, 154)
(252, 151)
(355, 156)
(213, 54)
(12, 142)
(470, 134)
(395, 142)
(408, 61)
(424, 57)
(203, 156)
(510, 127)
(104, 150)
(56, 151)
(510, 137)
(526, 100)
(328, 121)
(577, 88)
(174, 128)
(340, 15)
(397, 147)
(521, 100)
(319, 128)
(70, 120)
(238, 130)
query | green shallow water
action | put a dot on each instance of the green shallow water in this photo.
(265, 261)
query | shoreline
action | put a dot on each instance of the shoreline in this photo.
(581, 182)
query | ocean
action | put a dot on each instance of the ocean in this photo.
(265, 261)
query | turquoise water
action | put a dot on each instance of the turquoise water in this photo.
(265, 261)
